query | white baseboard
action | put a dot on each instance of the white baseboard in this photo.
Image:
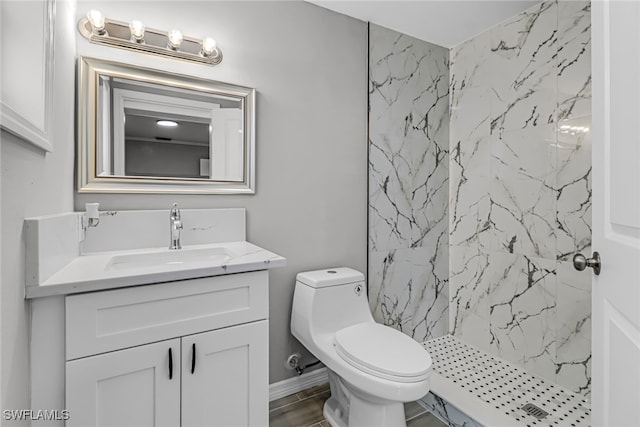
(293, 385)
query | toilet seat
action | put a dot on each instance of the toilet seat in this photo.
(383, 352)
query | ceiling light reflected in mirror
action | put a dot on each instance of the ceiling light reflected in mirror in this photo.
(167, 123)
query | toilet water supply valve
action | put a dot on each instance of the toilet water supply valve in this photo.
(293, 362)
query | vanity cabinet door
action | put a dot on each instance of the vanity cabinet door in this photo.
(225, 377)
(131, 387)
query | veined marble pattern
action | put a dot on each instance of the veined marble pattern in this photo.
(408, 290)
(574, 59)
(408, 154)
(408, 183)
(522, 311)
(573, 328)
(520, 191)
(523, 55)
(484, 170)
(448, 413)
(573, 187)
(470, 68)
(469, 278)
(469, 219)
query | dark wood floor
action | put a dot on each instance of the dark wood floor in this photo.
(304, 409)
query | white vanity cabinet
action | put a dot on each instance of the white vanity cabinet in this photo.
(189, 353)
(229, 384)
(129, 387)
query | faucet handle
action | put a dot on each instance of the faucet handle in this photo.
(175, 211)
(175, 224)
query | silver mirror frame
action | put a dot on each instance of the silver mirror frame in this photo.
(89, 70)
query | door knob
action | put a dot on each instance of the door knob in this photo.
(580, 262)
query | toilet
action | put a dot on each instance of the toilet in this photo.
(373, 369)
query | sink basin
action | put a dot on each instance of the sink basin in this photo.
(169, 258)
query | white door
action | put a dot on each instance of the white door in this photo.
(225, 377)
(132, 387)
(616, 213)
(226, 149)
(26, 87)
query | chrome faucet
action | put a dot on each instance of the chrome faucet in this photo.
(175, 227)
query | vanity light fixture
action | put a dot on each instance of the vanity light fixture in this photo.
(167, 123)
(98, 29)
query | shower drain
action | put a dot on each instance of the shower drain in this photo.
(532, 409)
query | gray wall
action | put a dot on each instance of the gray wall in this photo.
(33, 183)
(148, 158)
(309, 68)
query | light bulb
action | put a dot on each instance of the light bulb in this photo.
(96, 20)
(137, 31)
(175, 39)
(209, 47)
(167, 123)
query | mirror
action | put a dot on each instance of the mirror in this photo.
(149, 131)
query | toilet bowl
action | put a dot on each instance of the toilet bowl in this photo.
(373, 369)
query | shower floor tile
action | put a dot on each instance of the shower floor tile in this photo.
(504, 387)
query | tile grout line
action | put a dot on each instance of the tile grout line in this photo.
(287, 404)
(297, 401)
(312, 395)
(417, 415)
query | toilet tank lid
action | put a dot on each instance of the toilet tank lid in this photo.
(330, 277)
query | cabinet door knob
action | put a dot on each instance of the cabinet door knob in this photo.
(170, 364)
(580, 262)
(193, 357)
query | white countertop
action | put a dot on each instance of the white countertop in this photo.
(92, 272)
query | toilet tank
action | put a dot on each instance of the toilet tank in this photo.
(326, 301)
(330, 277)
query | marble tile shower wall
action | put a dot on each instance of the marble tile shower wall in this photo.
(408, 183)
(520, 191)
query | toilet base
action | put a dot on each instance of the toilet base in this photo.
(333, 414)
(348, 407)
